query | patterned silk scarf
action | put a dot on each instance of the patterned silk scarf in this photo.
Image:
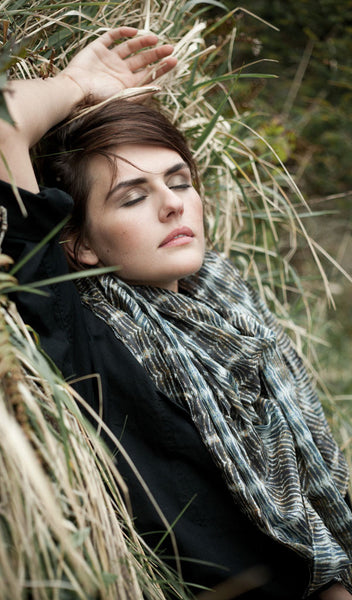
(215, 348)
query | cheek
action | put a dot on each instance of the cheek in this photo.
(199, 212)
(119, 240)
(199, 205)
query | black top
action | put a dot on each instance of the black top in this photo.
(157, 433)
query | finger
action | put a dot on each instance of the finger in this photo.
(148, 76)
(113, 35)
(166, 66)
(136, 44)
(148, 57)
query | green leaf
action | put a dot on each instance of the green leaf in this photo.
(21, 288)
(11, 52)
(3, 81)
(108, 578)
(13, 186)
(208, 129)
(231, 76)
(32, 287)
(36, 249)
(80, 536)
(171, 527)
(189, 5)
(72, 276)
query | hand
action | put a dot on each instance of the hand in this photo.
(102, 69)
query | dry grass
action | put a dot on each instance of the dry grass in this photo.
(65, 528)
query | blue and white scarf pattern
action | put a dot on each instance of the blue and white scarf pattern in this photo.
(216, 348)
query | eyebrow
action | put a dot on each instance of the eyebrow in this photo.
(138, 180)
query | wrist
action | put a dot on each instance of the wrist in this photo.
(74, 92)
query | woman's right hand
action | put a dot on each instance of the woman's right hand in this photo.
(103, 68)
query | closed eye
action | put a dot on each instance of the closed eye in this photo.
(133, 201)
(179, 181)
(180, 186)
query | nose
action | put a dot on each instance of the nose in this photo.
(170, 204)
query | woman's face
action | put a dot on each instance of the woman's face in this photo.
(149, 222)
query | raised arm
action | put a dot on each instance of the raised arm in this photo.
(101, 70)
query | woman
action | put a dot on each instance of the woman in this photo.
(199, 382)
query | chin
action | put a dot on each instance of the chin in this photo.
(191, 268)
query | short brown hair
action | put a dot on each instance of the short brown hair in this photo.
(67, 151)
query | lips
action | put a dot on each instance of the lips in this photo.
(177, 236)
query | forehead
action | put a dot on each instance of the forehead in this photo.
(131, 162)
(147, 159)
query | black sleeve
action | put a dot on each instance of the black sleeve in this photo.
(55, 315)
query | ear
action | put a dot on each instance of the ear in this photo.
(82, 252)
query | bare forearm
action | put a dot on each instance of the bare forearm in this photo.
(100, 70)
(37, 104)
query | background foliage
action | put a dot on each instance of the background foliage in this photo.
(306, 115)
